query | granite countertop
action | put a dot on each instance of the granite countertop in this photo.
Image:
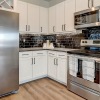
(40, 48)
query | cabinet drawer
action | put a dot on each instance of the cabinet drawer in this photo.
(25, 54)
(39, 53)
(52, 53)
(61, 55)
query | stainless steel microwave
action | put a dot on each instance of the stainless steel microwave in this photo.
(87, 18)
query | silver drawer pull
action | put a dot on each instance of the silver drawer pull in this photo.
(51, 53)
(39, 53)
(25, 54)
(61, 55)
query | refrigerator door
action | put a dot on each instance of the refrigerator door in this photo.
(9, 52)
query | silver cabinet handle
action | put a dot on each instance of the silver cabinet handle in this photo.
(41, 29)
(51, 53)
(57, 62)
(62, 27)
(61, 55)
(92, 3)
(54, 61)
(34, 60)
(40, 53)
(25, 54)
(89, 4)
(53, 28)
(26, 27)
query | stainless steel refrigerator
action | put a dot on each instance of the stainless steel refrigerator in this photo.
(9, 52)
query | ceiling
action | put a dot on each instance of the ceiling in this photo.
(48, 0)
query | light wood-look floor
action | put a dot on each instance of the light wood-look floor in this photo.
(43, 89)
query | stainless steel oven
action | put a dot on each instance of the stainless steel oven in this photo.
(84, 76)
(87, 18)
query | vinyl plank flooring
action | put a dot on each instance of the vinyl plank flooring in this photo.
(43, 89)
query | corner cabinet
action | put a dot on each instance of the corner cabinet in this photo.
(57, 66)
(44, 20)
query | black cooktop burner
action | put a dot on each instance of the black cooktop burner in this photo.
(92, 53)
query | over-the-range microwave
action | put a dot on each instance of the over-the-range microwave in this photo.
(87, 18)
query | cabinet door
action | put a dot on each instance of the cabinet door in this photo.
(96, 3)
(81, 5)
(22, 9)
(39, 66)
(52, 67)
(69, 15)
(43, 20)
(33, 18)
(60, 17)
(52, 19)
(25, 69)
(62, 70)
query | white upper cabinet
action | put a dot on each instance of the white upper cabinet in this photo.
(52, 19)
(81, 5)
(33, 18)
(22, 9)
(69, 15)
(96, 3)
(60, 10)
(43, 20)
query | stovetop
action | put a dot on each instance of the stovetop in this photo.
(92, 53)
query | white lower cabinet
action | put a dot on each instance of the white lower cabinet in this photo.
(39, 64)
(62, 70)
(52, 65)
(57, 66)
(32, 65)
(25, 67)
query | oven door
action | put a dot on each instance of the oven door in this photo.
(78, 74)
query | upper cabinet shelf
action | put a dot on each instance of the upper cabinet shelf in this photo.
(8, 4)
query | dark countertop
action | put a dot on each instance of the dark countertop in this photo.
(40, 48)
(85, 53)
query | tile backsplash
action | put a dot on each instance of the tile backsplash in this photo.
(67, 40)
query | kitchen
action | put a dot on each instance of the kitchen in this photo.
(50, 49)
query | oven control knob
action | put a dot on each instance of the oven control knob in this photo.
(85, 41)
(82, 41)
